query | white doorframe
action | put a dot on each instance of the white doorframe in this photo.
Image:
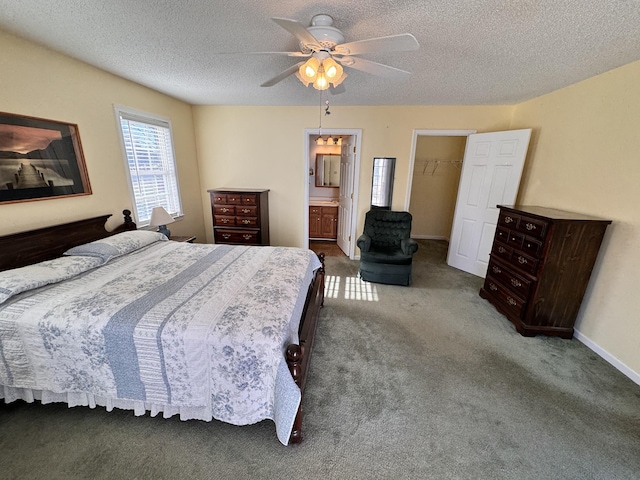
(357, 135)
(414, 142)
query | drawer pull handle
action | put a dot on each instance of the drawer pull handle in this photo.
(247, 199)
(245, 221)
(508, 220)
(522, 260)
(530, 226)
(246, 236)
(225, 220)
(501, 249)
(225, 210)
(492, 286)
(226, 236)
(511, 301)
(515, 282)
(245, 210)
(497, 270)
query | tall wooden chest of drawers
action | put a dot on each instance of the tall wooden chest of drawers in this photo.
(240, 216)
(539, 267)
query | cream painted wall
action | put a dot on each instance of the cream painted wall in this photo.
(434, 188)
(38, 82)
(584, 158)
(240, 147)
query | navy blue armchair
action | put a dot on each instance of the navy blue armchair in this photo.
(386, 247)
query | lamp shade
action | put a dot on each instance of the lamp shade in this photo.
(159, 216)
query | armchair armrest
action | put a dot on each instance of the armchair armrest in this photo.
(364, 242)
(409, 246)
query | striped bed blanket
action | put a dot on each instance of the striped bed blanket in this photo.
(138, 322)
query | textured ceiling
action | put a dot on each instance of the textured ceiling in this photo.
(471, 51)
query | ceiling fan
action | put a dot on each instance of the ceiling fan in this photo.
(323, 45)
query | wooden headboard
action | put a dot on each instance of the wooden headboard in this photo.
(27, 248)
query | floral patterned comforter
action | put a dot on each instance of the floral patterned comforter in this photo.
(189, 329)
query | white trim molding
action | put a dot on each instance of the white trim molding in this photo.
(624, 369)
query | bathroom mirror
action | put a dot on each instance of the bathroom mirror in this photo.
(327, 170)
(382, 184)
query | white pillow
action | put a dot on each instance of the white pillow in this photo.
(18, 280)
(117, 245)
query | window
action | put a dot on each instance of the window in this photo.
(151, 166)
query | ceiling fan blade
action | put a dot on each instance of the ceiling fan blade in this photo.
(374, 68)
(282, 75)
(297, 30)
(403, 42)
(288, 54)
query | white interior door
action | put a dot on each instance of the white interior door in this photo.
(491, 172)
(347, 157)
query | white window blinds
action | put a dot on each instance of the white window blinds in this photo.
(151, 164)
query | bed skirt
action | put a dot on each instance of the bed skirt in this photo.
(286, 403)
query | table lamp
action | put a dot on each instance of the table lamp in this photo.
(160, 218)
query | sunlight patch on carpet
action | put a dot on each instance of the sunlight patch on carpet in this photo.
(353, 289)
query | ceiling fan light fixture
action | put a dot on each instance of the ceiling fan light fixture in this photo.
(309, 69)
(337, 81)
(321, 81)
(332, 68)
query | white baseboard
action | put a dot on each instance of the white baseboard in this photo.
(627, 371)
(429, 237)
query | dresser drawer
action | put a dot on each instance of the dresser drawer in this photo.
(505, 297)
(249, 199)
(247, 221)
(234, 198)
(525, 262)
(219, 198)
(532, 226)
(515, 239)
(502, 251)
(224, 220)
(248, 237)
(250, 210)
(508, 220)
(224, 210)
(513, 281)
(532, 247)
(502, 234)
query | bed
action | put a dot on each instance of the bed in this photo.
(127, 319)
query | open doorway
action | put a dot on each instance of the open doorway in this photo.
(434, 177)
(330, 207)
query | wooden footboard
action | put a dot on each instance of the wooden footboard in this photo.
(299, 356)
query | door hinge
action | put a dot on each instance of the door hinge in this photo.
(349, 237)
(354, 149)
(352, 196)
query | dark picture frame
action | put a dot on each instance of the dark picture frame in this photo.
(40, 159)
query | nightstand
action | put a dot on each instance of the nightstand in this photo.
(182, 239)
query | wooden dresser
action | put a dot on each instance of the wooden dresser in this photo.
(240, 216)
(539, 267)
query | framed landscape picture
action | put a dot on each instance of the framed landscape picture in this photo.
(40, 159)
